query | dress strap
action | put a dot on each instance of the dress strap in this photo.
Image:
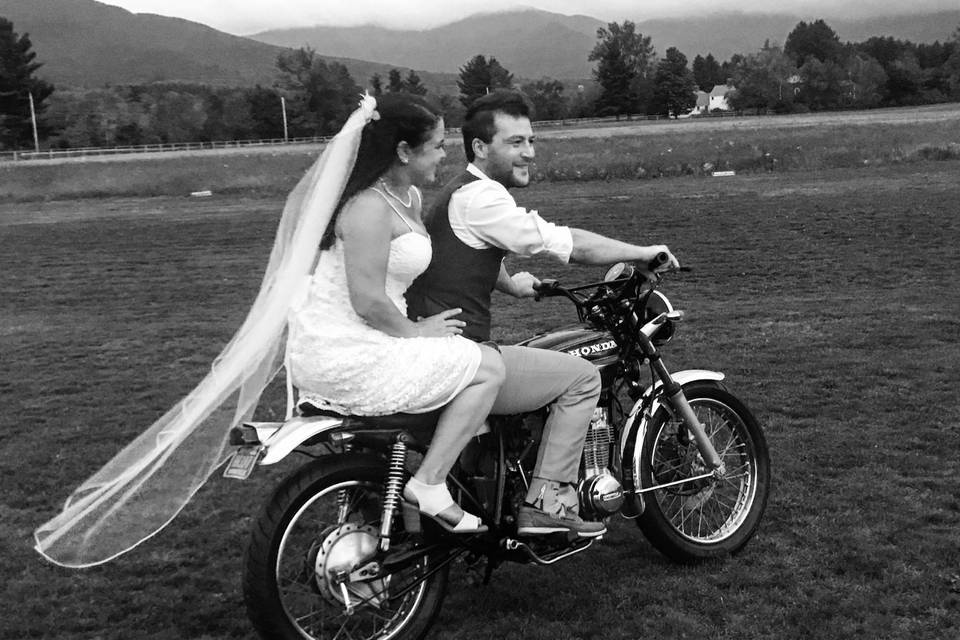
(394, 207)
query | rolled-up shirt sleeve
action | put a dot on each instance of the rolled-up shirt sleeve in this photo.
(485, 211)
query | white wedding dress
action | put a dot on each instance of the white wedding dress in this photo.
(337, 361)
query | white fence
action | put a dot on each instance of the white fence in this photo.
(47, 154)
(50, 154)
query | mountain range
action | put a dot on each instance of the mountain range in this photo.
(533, 43)
(84, 43)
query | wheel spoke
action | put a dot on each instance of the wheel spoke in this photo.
(709, 509)
(337, 530)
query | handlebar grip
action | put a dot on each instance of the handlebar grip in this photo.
(544, 288)
(658, 261)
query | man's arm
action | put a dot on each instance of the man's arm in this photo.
(593, 248)
(519, 285)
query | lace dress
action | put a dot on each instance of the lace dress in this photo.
(340, 362)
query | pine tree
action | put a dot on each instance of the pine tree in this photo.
(814, 40)
(319, 95)
(674, 85)
(395, 81)
(376, 85)
(413, 85)
(480, 76)
(624, 63)
(707, 72)
(17, 86)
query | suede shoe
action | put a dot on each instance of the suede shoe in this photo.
(532, 521)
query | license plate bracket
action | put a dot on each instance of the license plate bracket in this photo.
(243, 461)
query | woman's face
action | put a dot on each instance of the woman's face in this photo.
(424, 160)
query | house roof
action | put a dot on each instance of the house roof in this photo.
(720, 90)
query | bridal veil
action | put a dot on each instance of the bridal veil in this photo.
(150, 481)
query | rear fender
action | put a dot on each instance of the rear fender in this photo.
(635, 428)
(280, 438)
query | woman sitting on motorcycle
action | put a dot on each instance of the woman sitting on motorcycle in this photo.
(351, 348)
(349, 344)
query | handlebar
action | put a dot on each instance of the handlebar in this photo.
(546, 288)
(550, 288)
(658, 261)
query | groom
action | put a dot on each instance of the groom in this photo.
(474, 224)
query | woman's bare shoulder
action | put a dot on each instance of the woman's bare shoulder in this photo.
(365, 209)
(366, 206)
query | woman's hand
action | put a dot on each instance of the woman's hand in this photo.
(441, 325)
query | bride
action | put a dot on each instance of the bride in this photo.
(352, 230)
(351, 347)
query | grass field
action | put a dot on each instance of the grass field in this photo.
(828, 297)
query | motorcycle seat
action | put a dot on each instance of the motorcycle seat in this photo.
(393, 422)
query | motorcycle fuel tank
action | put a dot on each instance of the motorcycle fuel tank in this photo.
(598, 347)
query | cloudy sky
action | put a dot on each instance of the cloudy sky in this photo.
(244, 17)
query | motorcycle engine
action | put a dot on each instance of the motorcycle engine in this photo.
(601, 494)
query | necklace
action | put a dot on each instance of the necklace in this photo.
(396, 197)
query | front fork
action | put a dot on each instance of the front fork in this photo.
(673, 392)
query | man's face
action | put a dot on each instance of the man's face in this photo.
(510, 152)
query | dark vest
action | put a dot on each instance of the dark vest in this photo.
(458, 276)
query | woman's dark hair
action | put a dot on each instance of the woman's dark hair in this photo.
(478, 121)
(403, 118)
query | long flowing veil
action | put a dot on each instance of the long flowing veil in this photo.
(149, 482)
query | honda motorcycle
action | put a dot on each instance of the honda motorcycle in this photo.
(335, 553)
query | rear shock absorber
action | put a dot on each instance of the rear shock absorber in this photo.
(393, 486)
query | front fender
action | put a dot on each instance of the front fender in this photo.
(635, 428)
(279, 439)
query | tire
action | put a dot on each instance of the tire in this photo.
(712, 518)
(300, 531)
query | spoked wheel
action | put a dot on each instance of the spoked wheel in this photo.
(313, 568)
(715, 516)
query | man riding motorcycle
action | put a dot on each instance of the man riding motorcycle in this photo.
(473, 225)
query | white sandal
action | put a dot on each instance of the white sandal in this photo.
(431, 500)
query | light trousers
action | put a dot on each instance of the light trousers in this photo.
(571, 385)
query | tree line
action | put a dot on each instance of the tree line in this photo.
(812, 71)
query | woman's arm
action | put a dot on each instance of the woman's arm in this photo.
(366, 228)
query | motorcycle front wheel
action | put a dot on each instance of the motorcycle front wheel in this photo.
(713, 517)
(312, 570)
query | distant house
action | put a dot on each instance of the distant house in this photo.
(703, 103)
(701, 106)
(718, 97)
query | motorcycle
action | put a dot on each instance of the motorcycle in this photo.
(335, 553)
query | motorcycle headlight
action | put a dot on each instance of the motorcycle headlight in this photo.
(657, 304)
(617, 271)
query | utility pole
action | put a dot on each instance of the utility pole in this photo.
(283, 107)
(33, 119)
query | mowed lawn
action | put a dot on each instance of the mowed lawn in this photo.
(830, 299)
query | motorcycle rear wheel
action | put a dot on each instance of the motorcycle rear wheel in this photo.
(325, 519)
(711, 518)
